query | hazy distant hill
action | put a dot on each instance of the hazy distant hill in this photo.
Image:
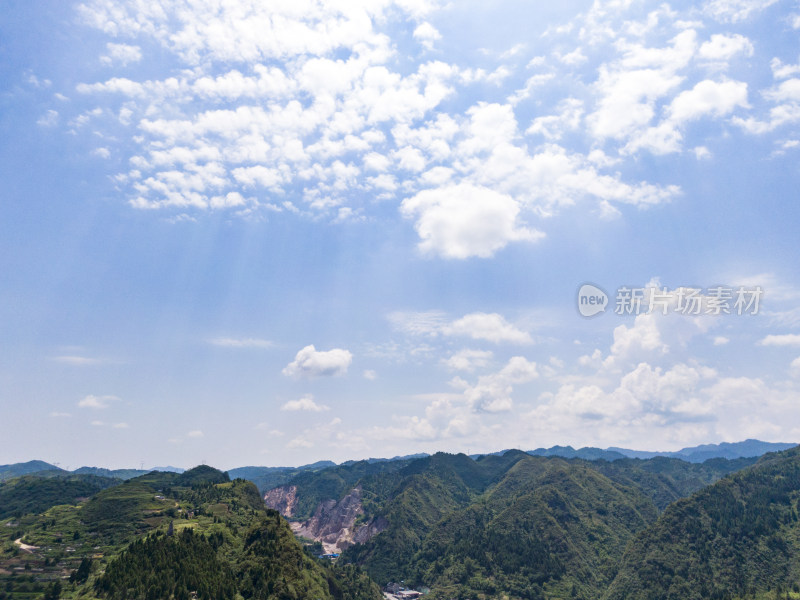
(267, 478)
(114, 473)
(746, 449)
(32, 466)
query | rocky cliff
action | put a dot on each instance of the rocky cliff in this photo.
(333, 523)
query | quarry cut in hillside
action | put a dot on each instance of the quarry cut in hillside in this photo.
(333, 523)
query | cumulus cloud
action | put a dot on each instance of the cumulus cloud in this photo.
(464, 220)
(309, 362)
(491, 327)
(709, 98)
(306, 403)
(724, 47)
(123, 54)
(493, 393)
(468, 360)
(427, 34)
(788, 339)
(230, 129)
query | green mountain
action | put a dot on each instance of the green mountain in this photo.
(734, 538)
(113, 473)
(267, 478)
(33, 494)
(166, 536)
(511, 523)
(529, 527)
(32, 466)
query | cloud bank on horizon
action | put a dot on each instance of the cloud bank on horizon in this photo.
(474, 141)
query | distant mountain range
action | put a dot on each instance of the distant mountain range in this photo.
(268, 477)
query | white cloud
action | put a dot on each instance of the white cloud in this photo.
(195, 433)
(306, 403)
(709, 98)
(552, 127)
(57, 414)
(123, 54)
(468, 360)
(780, 70)
(312, 363)
(370, 375)
(720, 340)
(789, 339)
(733, 11)
(724, 47)
(48, 119)
(228, 342)
(464, 221)
(79, 361)
(643, 336)
(492, 393)
(491, 327)
(427, 35)
(96, 402)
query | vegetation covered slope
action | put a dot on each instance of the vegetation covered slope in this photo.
(170, 537)
(511, 524)
(33, 494)
(736, 537)
(545, 527)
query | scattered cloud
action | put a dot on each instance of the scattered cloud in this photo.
(195, 433)
(48, 119)
(490, 327)
(79, 361)
(228, 342)
(468, 360)
(122, 54)
(309, 362)
(427, 35)
(306, 403)
(97, 402)
(788, 339)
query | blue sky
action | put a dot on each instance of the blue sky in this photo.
(271, 233)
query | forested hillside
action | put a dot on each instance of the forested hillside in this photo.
(511, 524)
(735, 538)
(166, 536)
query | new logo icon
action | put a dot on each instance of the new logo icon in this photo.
(591, 300)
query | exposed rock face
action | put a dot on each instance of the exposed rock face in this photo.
(333, 523)
(283, 499)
